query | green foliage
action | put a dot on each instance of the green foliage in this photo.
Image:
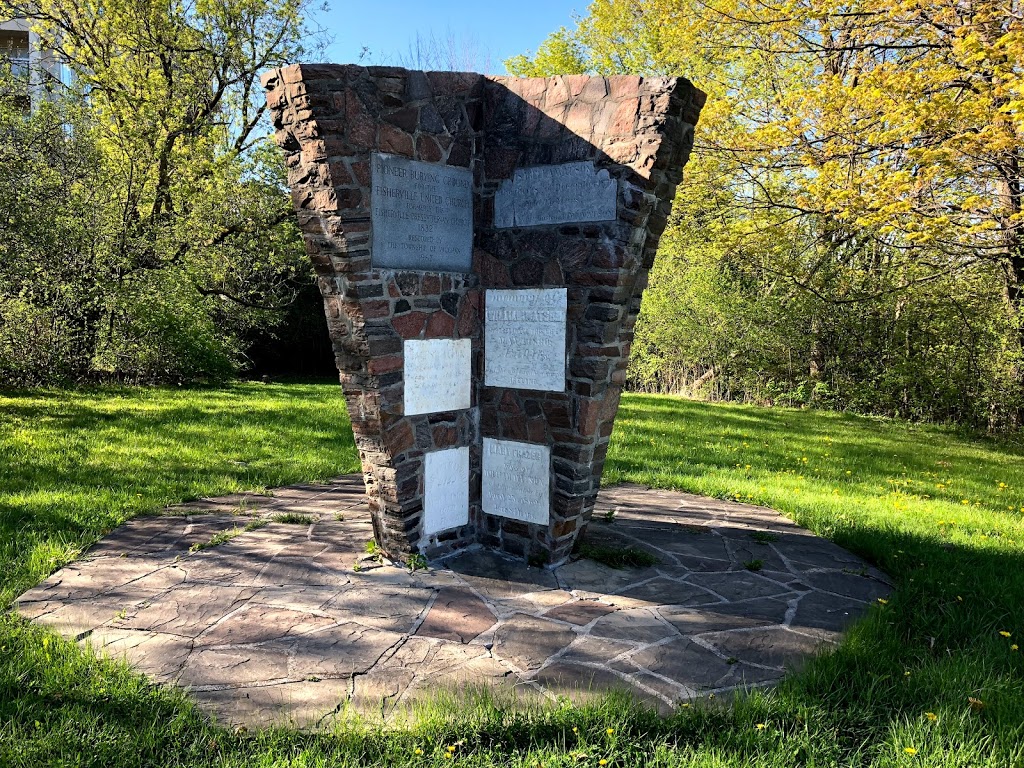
(81, 463)
(560, 53)
(844, 236)
(147, 229)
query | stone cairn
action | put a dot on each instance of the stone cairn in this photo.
(482, 244)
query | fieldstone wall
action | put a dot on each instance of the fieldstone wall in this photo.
(543, 156)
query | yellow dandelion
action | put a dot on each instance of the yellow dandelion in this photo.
(1004, 633)
(451, 749)
(449, 755)
(931, 716)
(419, 751)
(910, 750)
(610, 731)
(883, 601)
(965, 501)
(575, 729)
(1014, 647)
(602, 761)
(906, 674)
(760, 726)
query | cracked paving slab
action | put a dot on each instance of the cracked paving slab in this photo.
(289, 624)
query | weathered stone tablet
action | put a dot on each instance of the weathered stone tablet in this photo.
(524, 339)
(555, 194)
(517, 480)
(437, 375)
(422, 215)
(446, 490)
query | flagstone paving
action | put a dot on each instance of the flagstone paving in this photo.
(293, 622)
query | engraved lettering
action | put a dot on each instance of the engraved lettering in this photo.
(524, 339)
(437, 375)
(556, 194)
(516, 480)
(422, 215)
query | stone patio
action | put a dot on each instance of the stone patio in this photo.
(294, 622)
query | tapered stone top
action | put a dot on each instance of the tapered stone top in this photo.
(482, 244)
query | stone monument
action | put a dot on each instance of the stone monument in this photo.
(482, 244)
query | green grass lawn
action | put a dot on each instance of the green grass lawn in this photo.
(941, 512)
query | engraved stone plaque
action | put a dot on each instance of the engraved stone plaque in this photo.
(555, 194)
(422, 215)
(446, 490)
(516, 480)
(437, 375)
(524, 339)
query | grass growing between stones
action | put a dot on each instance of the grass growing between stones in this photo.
(932, 677)
(294, 518)
(225, 536)
(617, 557)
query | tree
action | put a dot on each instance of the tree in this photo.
(870, 153)
(195, 210)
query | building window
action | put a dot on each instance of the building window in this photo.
(14, 47)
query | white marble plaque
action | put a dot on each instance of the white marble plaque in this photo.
(422, 215)
(446, 490)
(555, 194)
(524, 338)
(437, 375)
(517, 480)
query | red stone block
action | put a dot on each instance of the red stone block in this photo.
(410, 326)
(384, 364)
(361, 171)
(395, 141)
(493, 273)
(427, 149)
(469, 315)
(509, 403)
(291, 73)
(580, 119)
(400, 438)
(441, 325)
(373, 309)
(339, 173)
(445, 436)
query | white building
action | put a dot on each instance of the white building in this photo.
(42, 69)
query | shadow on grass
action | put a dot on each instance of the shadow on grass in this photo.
(934, 647)
(848, 706)
(76, 464)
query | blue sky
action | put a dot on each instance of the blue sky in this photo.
(481, 33)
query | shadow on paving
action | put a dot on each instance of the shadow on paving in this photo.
(856, 692)
(266, 621)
